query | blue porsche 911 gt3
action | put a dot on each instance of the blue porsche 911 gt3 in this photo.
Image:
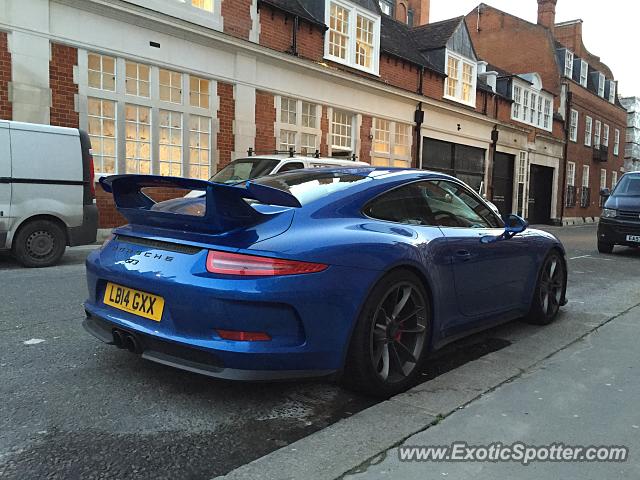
(359, 272)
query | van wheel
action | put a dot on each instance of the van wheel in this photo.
(39, 243)
(604, 247)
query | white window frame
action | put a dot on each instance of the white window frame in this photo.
(597, 135)
(571, 174)
(458, 96)
(612, 91)
(584, 73)
(601, 83)
(588, 130)
(573, 126)
(568, 64)
(616, 142)
(531, 106)
(603, 178)
(605, 135)
(614, 179)
(297, 129)
(334, 146)
(390, 158)
(184, 10)
(585, 176)
(350, 60)
(517, 101)
(121, 99)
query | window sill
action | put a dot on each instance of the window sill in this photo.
(460, 101)
(370, 71)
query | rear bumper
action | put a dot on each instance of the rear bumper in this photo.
(616, 231)
(87, 232)
(191, 359)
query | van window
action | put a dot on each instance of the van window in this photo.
(287, 167)
(628, 186)
(245, 169)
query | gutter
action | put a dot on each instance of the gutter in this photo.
(567, 126)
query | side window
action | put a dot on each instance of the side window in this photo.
(453, 206)
(402, 205)
(287, 167)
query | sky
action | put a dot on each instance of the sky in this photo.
(610, 29)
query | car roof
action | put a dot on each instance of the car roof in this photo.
(310, 158)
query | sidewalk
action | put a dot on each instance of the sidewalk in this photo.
(586, 394)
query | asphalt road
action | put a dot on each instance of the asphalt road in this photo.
(75, 408)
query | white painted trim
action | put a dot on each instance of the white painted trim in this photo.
(474, 85)
(354, 12)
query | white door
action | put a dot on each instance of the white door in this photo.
(5, 182)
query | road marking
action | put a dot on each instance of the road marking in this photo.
(33, 341)
(582, 256)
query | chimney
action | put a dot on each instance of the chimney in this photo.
(547, 13)
(414, 12)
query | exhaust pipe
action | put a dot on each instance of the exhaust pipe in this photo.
(130, 343)
(118, 339)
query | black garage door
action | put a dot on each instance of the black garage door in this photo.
(460, 161)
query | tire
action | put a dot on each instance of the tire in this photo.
(551, 285)
(387, 350)
(39, 243)
(604, 247)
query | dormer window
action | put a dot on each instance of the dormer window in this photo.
(354, 36)
(601, 84)
(612, 91)
(206, 5)
(460, 84)
(387, 7)
(568, 64)
(584, 73)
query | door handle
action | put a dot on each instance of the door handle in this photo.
(463, 254)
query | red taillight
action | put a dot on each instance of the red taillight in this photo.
(92, 175)
(240, 336)
(250, 265)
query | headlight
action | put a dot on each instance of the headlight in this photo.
(609, 213)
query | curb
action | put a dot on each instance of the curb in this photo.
(357, 441)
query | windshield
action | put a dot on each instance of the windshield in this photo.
(629, 186)
(309, 186)
(245, 169)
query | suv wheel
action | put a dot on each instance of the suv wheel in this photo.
(604, 247)
(39, 243)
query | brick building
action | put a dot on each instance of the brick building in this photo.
(585, 99)
(181, 88)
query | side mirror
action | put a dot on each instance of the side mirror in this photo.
(605, 192)
(513, 224)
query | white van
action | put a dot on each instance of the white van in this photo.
(260, 165)
(47, 196)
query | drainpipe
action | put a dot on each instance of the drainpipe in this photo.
(419, 119)
(293, 50)
(567, 123)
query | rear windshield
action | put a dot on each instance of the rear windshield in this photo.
(245, 169)
(629, 186)
(309, 186)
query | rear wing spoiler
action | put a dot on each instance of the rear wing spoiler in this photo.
(225, 205)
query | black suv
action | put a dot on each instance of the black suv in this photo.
(620, 219)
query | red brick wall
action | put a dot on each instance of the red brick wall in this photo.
(433, 85)
(265, 120)
(365, 141)
(108, 215)
(5, 77)
(226, 115)
(276, 31)
(63, 90)
(399, 73)
(586, 103)
(534, 51)
(237, 17)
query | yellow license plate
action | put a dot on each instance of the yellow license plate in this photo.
(134, 301)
